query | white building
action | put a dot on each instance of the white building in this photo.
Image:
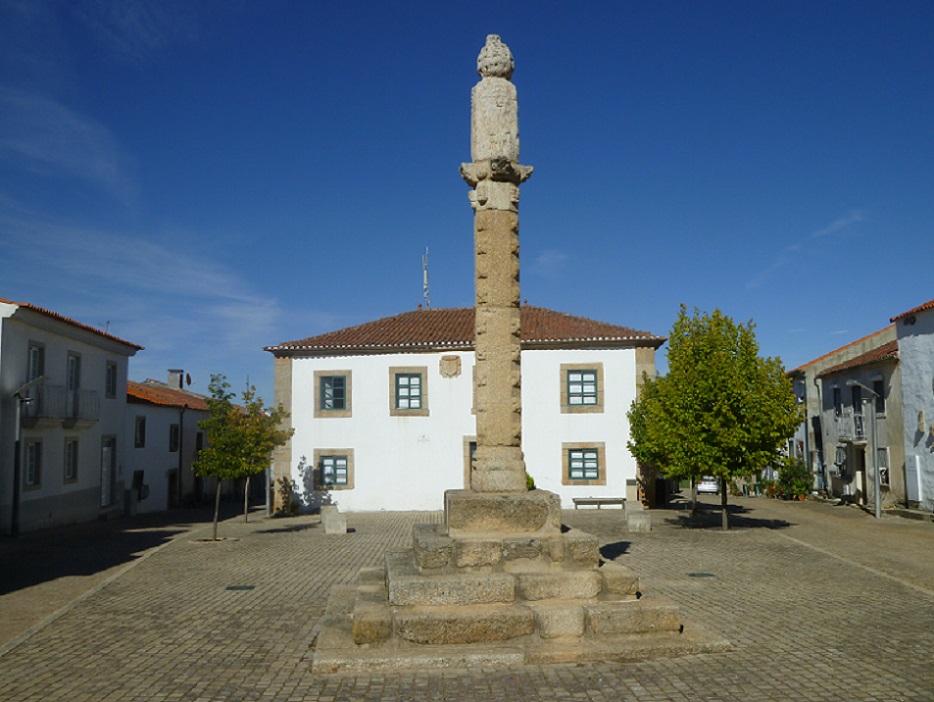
(163, 440)
(62, 408)
(916, 355)
(383, 414)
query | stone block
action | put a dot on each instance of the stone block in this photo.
(477, 553)
(372, 618)
(553, 549)
(583, 550)
(463, 625)
(334, 522)
(619, 580)
(407, 586)
(639, 520)
(522, 548)
(559, 620)
(533, 512)
(568, 585)
(432, 546)
(647, 615)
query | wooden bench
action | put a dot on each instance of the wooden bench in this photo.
(598, 501)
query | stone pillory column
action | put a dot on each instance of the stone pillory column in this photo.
(495, 175)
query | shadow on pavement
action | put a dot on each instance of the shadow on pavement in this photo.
(85, 549)
(612, 551)
(287, 528)
(709, 516)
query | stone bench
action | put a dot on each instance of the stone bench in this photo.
(598, 501)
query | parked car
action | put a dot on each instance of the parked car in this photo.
(709, 485)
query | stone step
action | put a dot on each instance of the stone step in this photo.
(646, 615)
(463, 624)
(407, 586)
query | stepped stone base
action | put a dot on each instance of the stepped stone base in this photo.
(506, 585)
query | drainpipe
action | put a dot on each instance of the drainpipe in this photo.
(181, 449)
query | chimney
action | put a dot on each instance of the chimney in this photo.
(176, 378)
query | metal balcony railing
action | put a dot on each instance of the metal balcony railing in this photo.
(850, 426)
(55, 402)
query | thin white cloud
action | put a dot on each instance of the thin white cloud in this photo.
(41, 136)
(134, 29)
(550, 263)
(840, 224)
(175, 303)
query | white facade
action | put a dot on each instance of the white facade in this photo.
(72, 451)
(406, 462)
(916, 355)
(159, 462)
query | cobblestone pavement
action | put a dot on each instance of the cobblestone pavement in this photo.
(820, 603)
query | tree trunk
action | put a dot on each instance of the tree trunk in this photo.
(693, 496)
(246, 500)
(723, 505)
(217, 507)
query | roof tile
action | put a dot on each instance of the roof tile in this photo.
(454, 328)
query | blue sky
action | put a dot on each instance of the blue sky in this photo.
(212, 177)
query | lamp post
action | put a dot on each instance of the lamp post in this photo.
(877, 480)
(20, 400)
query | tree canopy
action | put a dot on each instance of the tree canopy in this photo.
(722, 410)
(240, 438)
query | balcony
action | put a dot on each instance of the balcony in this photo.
(51, 405)
(850, 426)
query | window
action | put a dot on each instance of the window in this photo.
(408, 391)
(878, 387)
(74, 372)
(856, 393)
(36, 362)
(174, 433)
(332, 393)
(581, 387)
(584, 463)
(110, 380)
(334, 469)
(882, 465)
(139, 434)
(32, 469)
(837, 402)
(71, 460)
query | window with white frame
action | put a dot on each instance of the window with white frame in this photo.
(581, 387)
(332, 393)
(882, 465)
(408, 391)
(110, 380)
(878, 387)
(71, 460)
(32, 463)
(36, 362)
(584, 463)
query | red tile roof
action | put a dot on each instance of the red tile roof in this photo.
(836, 351)
(427, 329)
(153, 392)
(67, 320)
(920, 308)
(885, 352)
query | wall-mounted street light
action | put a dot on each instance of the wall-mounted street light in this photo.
(877, 480)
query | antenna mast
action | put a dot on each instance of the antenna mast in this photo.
(426, 294)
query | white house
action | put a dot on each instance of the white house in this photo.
(915, 330)
(62, 408)
(163, 440)
(383, 414)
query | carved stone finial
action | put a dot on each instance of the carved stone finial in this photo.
(495, 59)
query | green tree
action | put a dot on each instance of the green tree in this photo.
(240, 439)
(722, 410)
